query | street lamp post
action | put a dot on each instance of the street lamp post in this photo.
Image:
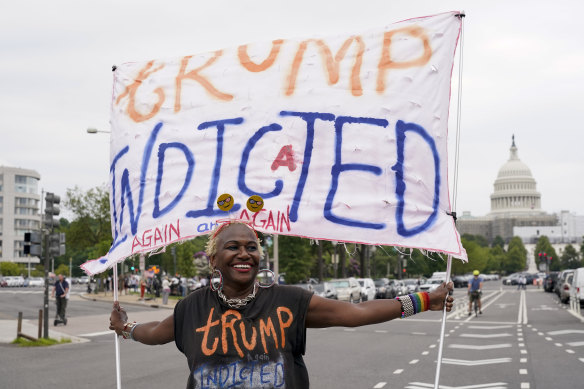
(92, 130)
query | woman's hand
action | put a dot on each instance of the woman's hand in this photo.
(438, 297)
(118, 318)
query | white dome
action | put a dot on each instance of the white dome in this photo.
(515, 188)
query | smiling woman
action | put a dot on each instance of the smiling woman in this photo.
(240, 332)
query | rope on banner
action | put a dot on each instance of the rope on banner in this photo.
(454, 191)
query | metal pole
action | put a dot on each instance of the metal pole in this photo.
(443, 328)
(116, 338)
(46, 299)
(276, 258)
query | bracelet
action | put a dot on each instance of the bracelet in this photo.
(414, 303)
(132, 331)
(127, 331)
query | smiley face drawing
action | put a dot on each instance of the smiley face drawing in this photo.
(255, 203)
(225, 202)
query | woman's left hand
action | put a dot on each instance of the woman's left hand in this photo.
(439, 296)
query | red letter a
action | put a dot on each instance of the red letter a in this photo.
(285, 158)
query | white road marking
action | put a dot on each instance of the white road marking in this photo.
(570, 351)
(548, 338)
(575, 344)
(479, 327)
(564, 332)
(558, 344)
(432, 346)
(523, 351)
(380, 385)
(475, 347)
(414, 361)
(418, 333)
(581, 360)
(525, 385)
(425, 352)
(484, 336)
(521, 344)
(464, 362)
(523, 360)
(520, 339)
(381, 331)
(522, 371)
(423, 385)
(398, 371)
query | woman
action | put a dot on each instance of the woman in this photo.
(246, 335)
(165, 290)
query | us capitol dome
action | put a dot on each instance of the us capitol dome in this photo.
(515, 189)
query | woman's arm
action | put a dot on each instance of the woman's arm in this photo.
(154, 332)
(324, 312)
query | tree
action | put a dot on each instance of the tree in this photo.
(498, 241)
(62, 269)
(570, 258)
(11, 269)
(295, 259)
(89, 234)
(516, 258)
(543, 245)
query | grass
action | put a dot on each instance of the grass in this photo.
(42, 342)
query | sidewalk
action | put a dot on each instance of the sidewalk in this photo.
(81, 328)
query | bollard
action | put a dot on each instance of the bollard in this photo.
(40, 323)
(19, 326)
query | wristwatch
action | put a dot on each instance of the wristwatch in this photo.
(127, 331)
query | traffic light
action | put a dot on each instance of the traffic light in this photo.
(51, 210)
(56, 244)
(32, 243)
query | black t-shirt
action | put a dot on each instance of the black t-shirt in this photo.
(257, 346)
(60, 287)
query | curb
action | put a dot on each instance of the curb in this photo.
(134, 303)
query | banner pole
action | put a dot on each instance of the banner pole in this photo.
(116, 337)
(443, 327)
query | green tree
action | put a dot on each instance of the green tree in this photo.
(294, 258)
(516, 258)
(543, 245)
(62, 269)
(498, 241)
(570, 258)
(89, 234)
(11, 269)
(496, 259)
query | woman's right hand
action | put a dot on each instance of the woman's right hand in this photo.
(118, 318)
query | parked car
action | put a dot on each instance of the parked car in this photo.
(367, 288)
(348, 289)
(549, 282)
(430, 285)
(565, 288)
(382, 289)
(36, 281)
(578, 284)
(511, 279)
(460, 281)
(561, 279)
(14, 281)
(412, 285)
(326, 289)
(400, 288)
(84, 280)
(3, 282)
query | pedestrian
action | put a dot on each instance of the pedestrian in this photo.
(142, 288)
(165, 290)
(238, 332)
(60, 292)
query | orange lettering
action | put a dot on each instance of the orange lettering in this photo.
(266, 329)
(208, 351)
(130, 91)
(386, 62)
(248, 345)
(284, 325)
(225, 325)
(195, 76)
(247, 63)
(331, 64)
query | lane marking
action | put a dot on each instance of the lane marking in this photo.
(564, 332)
(381, 331)
(414, 361)
(575, 344)
(398, 371)
(478, 327)
(523, 360)
(423, 385)
(426, 353)
(558, 344)
(522, 371)
(570, 351)
(523, 351)
(380, 385)
(464, 362)
(478, 347)
(484, 336)
(525, 385)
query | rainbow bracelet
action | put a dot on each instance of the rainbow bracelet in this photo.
(416, 302)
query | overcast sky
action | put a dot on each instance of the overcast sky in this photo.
(523, 74)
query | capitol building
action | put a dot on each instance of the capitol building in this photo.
(516, 211)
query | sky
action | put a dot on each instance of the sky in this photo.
(522, 75)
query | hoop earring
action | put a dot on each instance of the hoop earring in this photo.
(215, 286)
(266, 285)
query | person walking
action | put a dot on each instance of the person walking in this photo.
(165, 290)
(251, 334)
(60, 292)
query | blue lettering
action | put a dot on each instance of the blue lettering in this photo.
(113, 172)
(309, 118)
(262, 374)
(208, 211)
(191, 162)
(280, 375)
(339, 167)
(400, 187)
(245, 157)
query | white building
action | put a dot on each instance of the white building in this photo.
(19, 211)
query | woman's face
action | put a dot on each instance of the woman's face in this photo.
(237, 256)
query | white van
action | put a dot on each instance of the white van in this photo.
(578, 284)
(367, 289)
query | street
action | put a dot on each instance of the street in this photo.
(524, 339)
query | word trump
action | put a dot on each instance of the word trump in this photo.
(184, 75)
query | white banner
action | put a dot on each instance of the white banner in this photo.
(344, 138)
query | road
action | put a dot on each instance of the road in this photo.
(524, 339)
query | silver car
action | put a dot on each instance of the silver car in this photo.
(348, 289)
